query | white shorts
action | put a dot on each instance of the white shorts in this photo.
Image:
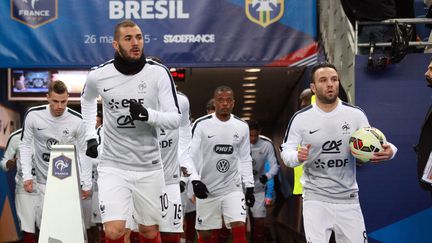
(321, 218)
(119, 188)
(259, 210)
(172, 217)
(25, 204)
(210, 211)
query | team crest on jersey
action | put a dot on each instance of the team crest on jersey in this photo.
(264, 12)
(142, 87)
(346, 128)
(34, 13)
(62, 167)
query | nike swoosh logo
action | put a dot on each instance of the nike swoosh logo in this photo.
(106, 90)
(176, 223)
(311, 132)
(211, 136)
(141, 115)
(164, 215)
(40, 129)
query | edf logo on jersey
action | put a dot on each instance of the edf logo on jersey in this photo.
(331, 147)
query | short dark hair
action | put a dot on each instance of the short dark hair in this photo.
(124, 23)
(58, 87)
(223, 88)
(254, 125)
(321, 65)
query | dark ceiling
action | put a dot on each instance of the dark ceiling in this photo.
(273, 87)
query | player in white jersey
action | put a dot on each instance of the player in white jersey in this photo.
(262, 151)
(48, 125)
(330, 190)
(25, 202)
(138, 97)
(220, 149)
(173, 143)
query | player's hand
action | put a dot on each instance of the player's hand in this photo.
(85, 194)
(137, 111)
(11, 163)
(92, 151)
(263, 179)
(303, 153)
(249, 196)
(200, 189)
(28, 185)
(386, 154)
(182, 186)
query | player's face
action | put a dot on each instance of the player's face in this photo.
(326, 85)
(224, 103)
(253, 135)
(57, 103)
(130, 44)
(428, 75)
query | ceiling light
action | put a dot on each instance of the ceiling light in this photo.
(250, 90)
(173, 69)
(252, 70)
(249, 101)
(246, 118)
(247, 108)
(250, 78)
(249, 85)
(249, 96)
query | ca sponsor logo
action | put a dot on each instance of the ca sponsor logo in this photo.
(264, 12)
(34, 13)
(223, 165)
(223, 149)
(331, 147)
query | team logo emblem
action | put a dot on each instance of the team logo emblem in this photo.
(346, 128)
(264, 12)
(62, 167)
(34, 13)
(223, 165)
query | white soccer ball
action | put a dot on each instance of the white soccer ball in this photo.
(365, 141)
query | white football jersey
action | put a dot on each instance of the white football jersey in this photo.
(329, 173)
(12, 151)
(174, 141)
(127, 144)
(221, 153)
(262, 151)
(42, 130)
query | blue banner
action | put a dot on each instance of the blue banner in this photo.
(190, 33)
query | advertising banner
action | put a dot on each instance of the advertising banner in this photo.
(189, 33)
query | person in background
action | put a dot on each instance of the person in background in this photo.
(25, 202)
(138, 98)
(424, 146)
(45, 126)
(220, 149)
(262, 151)
(330, 190)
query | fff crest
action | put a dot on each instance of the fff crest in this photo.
(264, 12)
(34, 13)
(62, 167)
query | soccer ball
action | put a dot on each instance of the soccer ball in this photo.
(365, 141)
